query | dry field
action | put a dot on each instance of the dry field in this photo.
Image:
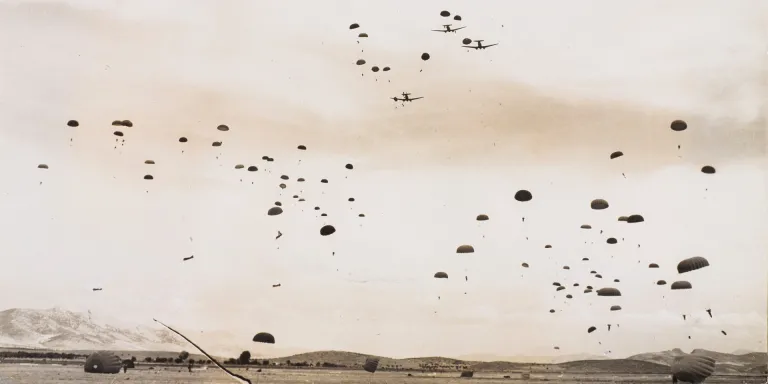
(52, 374)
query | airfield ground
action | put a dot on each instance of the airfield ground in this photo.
(55, 374)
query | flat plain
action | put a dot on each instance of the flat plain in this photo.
(73, 374)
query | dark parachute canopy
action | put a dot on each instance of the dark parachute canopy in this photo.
(363, 35)
(678, 125)
(692, 264)
(425, 56)
(324, 181)
(616, 154)
(457, 18)
(239, 166)
(586, 226)
(693, 368)
(556, 284)
(525, 265)
(360, 62)
(264, 337)
(354, 26)
(465, 249)
(551, 311)
(598, 204)
(585, 259)
(371, 363)
(351, 199)
(375, 68)
(216, 144)
(223, 128)
(653, 265)
(117, 123)
(623, 218)
(441, 275)
(445, 13)
(117, 133)
(126, 123)
(103, 362)
(708, 169)
(591, 329)
(42, 166)
(183, 139)
(252, 168)
(279, 204)
(482, 217)
(72, 123)
(599, 276)
(566, 267)
(681, 285)
(284, 177)
(548, 246)
(615, 307)
(635, 219)
(349, 166)
(611, 240)
(661, 282)
(148, 177)
(569, 296)
(616, 281)
(608, 292)
(302, 147)
(274, 211)
(560, 288)
(523, 195)
(327, 230)
(385, 69)
(300, 179)
(150, 162)
(587, 290)
(466, 41)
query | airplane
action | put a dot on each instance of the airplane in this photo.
(479, 45)
(405, 97)
(447, 29)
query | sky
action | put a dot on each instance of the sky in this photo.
(542, 111)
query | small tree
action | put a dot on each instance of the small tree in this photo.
(148, 359)
(184, 355)
(244, 358)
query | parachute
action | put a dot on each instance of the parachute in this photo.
(591, 329)
(363, 35)
(117, 123)
(681, 285)
(551, 311)
(466, 41)
(375, 68)
(354, 26)
(327, 230)
(42, 166)
(560, 288)
(569, 296)
(547, 246)
(182, 139)
(441, 275)
(445, 13)
(525, 265)
(360, 62)
(349, 166)
(73, 123)
(148, 177)
(252, 168)
(623, 218)
(126, 123)
(608, 292)
(150, 162)
(616, 308)
(264, 337)
(302, 147)
(274, 211)
(599, 204)
(616, 281)
(635, 219)
(482, 217)
(523, 195)
(385, 69)
(611, 240)
(708, 169)
(653, 265)
(692, 264)
(103, 362)
(223, 128)
(284, 177)
(324, 181)
(616, 154)
(661, 282)
(693, 368)
(586, 226)
(371, 363)
(457, 18)
(425, 56)
(566, 267)
(216, 144)
(300, 179)
(465, 249)
(678, 125)
(117, 133)
(239, 166)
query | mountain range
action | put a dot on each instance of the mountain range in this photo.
(63, 330)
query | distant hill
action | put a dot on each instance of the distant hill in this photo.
(727, 363)
(59, 329)
(532, 359)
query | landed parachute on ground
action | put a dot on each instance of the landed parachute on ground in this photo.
(692, 264)
(693, 368)
(103, 362)
(371, 363)
(264, 337)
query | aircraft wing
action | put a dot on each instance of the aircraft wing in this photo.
(416, 98)
(439, 30)
(456, 29)
(469, 46)
(490, 45)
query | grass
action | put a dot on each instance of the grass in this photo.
(53, 374)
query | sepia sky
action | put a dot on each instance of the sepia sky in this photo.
(568, 84)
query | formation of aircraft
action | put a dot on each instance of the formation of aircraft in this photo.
(479, 45)
(447, 29)
(406, 97)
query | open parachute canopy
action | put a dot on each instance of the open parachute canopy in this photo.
(608, 292)
(693, 368)
(692, 264)
(598, 204)
(264, 337)
(465, 249)
(441, 275)
(371, 363)
(681, 285)
(103, 362)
